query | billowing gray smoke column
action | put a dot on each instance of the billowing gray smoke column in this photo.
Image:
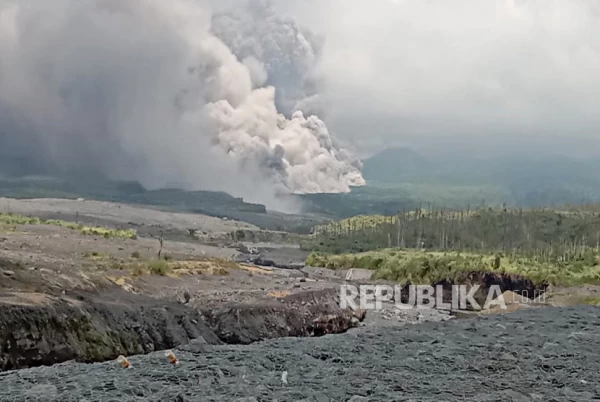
(277, 52)
(144, 90)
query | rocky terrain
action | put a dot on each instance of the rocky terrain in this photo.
(71, 303)
(534, 355)
(68, 296)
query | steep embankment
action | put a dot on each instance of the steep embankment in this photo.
(413, 267)
(305, 314)
(38, 329)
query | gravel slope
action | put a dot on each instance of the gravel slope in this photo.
(109, 213)
(538, 354)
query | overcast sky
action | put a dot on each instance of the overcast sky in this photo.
(481, 74)
(189, 93)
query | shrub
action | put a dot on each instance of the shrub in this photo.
(159, 267)
(222, 272)
(138, 270)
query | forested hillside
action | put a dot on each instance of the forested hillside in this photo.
(541, 233)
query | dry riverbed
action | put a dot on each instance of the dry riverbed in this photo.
(533, 355)
(67, 296)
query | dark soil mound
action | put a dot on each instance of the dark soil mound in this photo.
(313, 313)
(502, 282)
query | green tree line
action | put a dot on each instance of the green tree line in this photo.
(568, 234)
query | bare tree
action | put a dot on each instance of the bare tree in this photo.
(161, 242)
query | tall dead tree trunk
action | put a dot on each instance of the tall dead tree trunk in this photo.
(161, 242)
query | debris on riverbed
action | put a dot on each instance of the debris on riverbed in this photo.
(172, 358)
(123, 362)
(531, 355)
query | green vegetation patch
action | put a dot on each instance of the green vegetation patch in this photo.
(592, 301)
(15, 219)
(159, 267)
(542, 234)
(418, 267)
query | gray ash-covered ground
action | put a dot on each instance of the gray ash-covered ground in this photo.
(548, 354)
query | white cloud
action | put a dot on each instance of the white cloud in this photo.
(466, 70)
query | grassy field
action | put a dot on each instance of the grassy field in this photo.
(419, 267)
(15, 219)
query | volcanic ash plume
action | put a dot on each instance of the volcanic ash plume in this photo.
(298, 152)
(144, 90)
(276, 45)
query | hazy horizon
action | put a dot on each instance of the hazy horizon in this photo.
(492, 75)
